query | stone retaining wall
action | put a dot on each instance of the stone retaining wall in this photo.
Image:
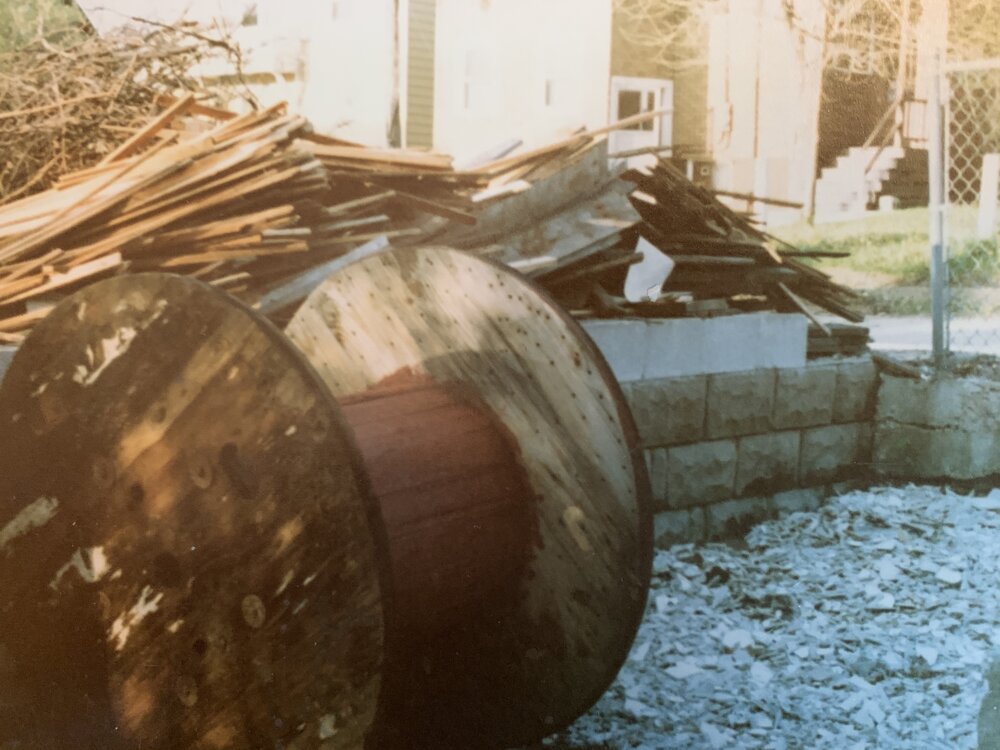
(948, 428)
(729, 449)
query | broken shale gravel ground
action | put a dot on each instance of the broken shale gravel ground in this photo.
(866, 624)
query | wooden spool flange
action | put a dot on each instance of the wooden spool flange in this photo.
(188, 558)
(539, 653)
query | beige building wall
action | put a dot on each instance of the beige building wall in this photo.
(763, 88)
(529, 69)
(472, 73)
(343, 81)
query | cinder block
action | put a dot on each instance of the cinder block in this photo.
(804, 397)
(679, 526)
(701, 473)
(856, 390)
(798, 501)
(739, 403)
(734, 518)
(656, 466)
(866, 446)
(767, 463)
(915, 452)
(623, 344)
(904, 450)
(6, 355)
(831, 454)
(638, 349)
(962, 403)
(669, 411)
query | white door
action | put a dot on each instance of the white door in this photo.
(631, 96)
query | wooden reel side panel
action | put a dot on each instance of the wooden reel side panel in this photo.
(459, 319)
(186, 549)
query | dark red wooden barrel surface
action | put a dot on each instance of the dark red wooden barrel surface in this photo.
(456, 505)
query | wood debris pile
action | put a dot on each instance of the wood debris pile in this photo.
(255, 204)
(583, 227)
(719, 254)
(721, 262)
(65, 109)
(261, 206)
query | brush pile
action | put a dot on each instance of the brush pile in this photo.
(64, 109)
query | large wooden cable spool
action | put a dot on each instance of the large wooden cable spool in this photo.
(188, 554)
(536, 657)
(455, 556)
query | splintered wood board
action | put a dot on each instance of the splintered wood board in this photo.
(543, 198)
(186, 550)
(587, 223)
(465, 321)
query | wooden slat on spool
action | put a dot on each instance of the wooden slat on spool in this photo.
(187, 552)
(510, 675)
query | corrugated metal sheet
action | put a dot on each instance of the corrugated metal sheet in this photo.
(420, 70)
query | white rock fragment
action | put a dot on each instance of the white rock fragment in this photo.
(948, 576)
(760, 673)
(884, 603)
(928, 654)
(715, 737)
(684, 670)
(886, 569)
(639, 653)
(736, 639)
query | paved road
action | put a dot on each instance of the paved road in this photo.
(908, 333)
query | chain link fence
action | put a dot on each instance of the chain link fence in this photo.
(970, 92)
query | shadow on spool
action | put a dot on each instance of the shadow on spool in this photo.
(199, 548)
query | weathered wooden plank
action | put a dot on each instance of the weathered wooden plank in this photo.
(144, 136)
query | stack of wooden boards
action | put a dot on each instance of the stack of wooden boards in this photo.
(583, 226)
(250, 203)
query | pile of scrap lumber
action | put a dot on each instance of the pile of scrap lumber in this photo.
(64, 108)
(722, 264)
(256, 204)
(260, 205)
(720, 255)
(584, 226)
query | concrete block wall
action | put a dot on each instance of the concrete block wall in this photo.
(948, 428)
(725, 450)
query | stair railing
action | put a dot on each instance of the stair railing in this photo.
(903, 126)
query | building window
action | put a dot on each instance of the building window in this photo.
(631, 103)
(548, 92)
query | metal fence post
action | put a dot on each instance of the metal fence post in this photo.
(937, 200)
